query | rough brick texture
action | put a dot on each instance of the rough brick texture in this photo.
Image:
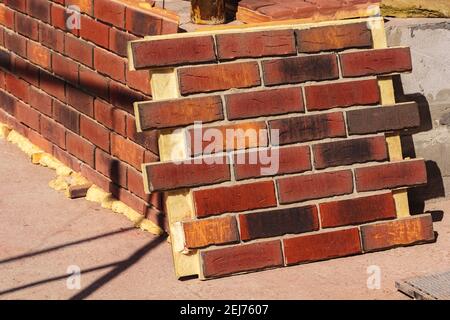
(202, 233)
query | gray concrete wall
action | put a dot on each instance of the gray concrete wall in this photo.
(429, 84)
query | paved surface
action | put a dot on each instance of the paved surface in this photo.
(42, 233)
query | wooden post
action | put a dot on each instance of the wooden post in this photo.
(208, 11)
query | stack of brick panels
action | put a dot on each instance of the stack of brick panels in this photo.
(69, 91)
(312, 94)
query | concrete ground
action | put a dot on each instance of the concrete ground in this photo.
(42, 234)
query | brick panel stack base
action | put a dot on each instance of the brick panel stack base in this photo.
(70, 93)
(318, 86)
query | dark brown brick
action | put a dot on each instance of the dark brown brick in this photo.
(27, 26)
(94, 82)
(52, 85)
(16, 43)
(111, 167)
(53, 131)
(118, 41)
(80, 100)
(67, 116)
(51, 37)
(40, 101)
(39, 9)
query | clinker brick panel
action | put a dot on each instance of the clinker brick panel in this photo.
(346, 152)
(264, 103)
(385, 235)
(357, 210)
(374, 62)
(391, 175)
(388, 118)
(322, 246)
(255, 44)
(309, 128)
(274, 223)
(173, 52)
(236, 198)
(218, 77)
(180, 112)
(241, 258)
(342, 94)
(189, 173)
(203, 233)
(356, 35)
(300, 69)
(315, 186)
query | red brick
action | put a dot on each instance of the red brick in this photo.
(144, 23)
(109, 64)
(65, 68)
(59, 18)
(355, 35)
(19, 5)
(97, 178)
(347, 152)
(172, 52)
(80, 101)
(135, 203)
(40, 101)
(85, 6)
(79, 50)
(374, 62)
(27, 115)
(67, 159)
(255, 44)
(67, 116)
(391, 175)
(300, 69)
(17, 87)
(27, 26)
(52, 85)
(309, 128)
(229, 137)
(139, 80)
(236, 198)
(315, 186)
(380, 119)
(118, 41)
(322, 246)
(110, 11)
(52, 38)
(147, 139)
(38, 140)
(80, 148)
(39, 9)
(6, 61)
(342, 94)
(124, 97)
(94, 31)
(111, 117)
(111, 167)
(53, 131)
(95, 133)
(206, 232)
(136, 186)
(127, 151)
(270, 162)
(94, 82)
(6, 17)
(179, 112)
(7, 102)
(27, 71)
(16, 43)
(189, 173)
(273, 223)
(264, 103)
(385, 235)
(242, 258)
(219, 77)
(39, 54)
(358, 210)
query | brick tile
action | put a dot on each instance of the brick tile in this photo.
(206, 232)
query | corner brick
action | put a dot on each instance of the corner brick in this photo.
(385, 235)
(357, 210)
(206, 232)
(242, 258)
(67, 116)
(342, 94)
(314, 186)
(215, 201)
(179, 112)
(264, 103)
(127, 151)
(309, 128)
(144, 23)
(275, 223)
(391, 175)
(172, 52)
(80, 148)
(118, 41)
(355, 35)
(386, 118)
(218, 77)
(95, 133)
(322, 246)
(347, 152)
(270, 162)
(376, 62)
(300, 69)
(255, 44)
(189, 173)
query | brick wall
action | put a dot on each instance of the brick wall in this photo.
(69, 91)
(333, 194)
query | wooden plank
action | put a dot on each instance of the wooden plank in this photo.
(388, 98)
